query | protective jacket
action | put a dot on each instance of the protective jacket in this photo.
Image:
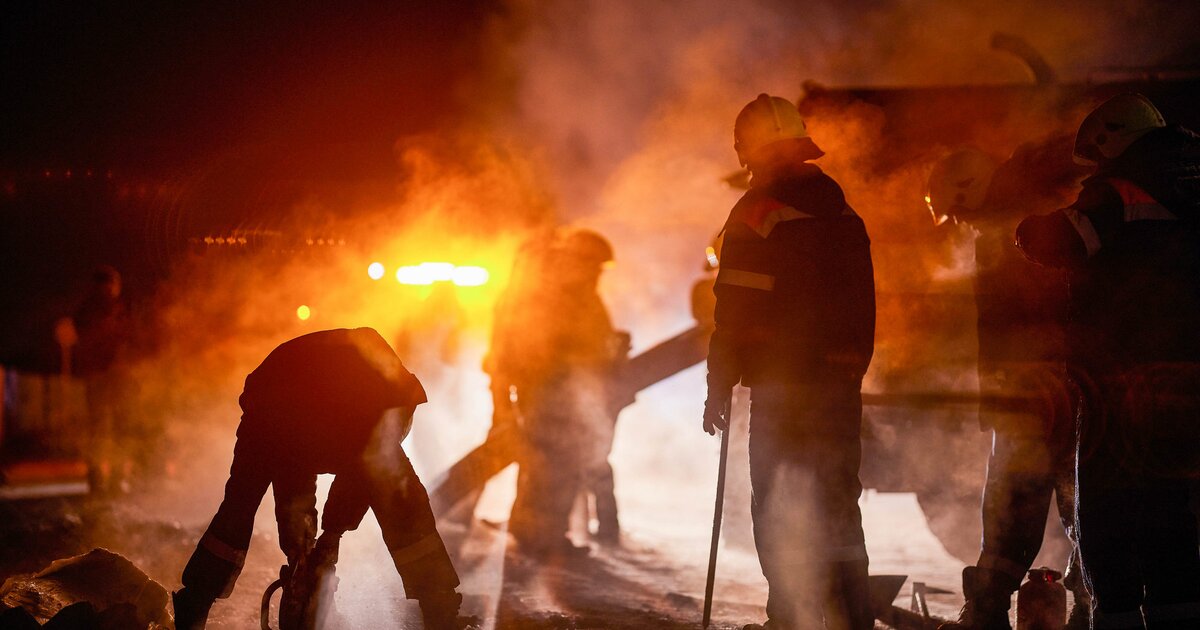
(1022, 308)
(316, 405)
(796, 290)
(103, 325)
(317, 398)
(1131, 245)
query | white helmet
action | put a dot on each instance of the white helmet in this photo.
(767, 120)
(958, 185)
(1113, 126)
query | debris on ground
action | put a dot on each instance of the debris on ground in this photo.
(98, 589)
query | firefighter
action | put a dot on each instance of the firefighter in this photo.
(94, 341)
(335, 401)
(795, 322)
(1130, 245)
(558, 356)
(1021, 314)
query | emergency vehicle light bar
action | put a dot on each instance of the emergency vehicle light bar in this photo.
(428, 273)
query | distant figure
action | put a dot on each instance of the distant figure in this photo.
(1131, 248)
(336, 401)
(555, 348)
(795, 322)
(94, 341)
(1022, 313)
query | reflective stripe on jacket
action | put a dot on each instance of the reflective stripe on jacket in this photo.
(795, 290)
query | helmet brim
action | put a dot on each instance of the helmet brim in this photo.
(803, 149)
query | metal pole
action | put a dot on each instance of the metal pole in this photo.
(718, 511)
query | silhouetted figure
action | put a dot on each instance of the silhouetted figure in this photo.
(336, 401)
(556, 349)
(795, 322)
(94, 342)
(1130, 245)
(1022, 311)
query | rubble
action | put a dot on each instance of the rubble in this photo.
(97, 589)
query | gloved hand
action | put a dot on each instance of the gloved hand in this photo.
(191, 609)
(1051, 240)
(716, 409)
(439, 611)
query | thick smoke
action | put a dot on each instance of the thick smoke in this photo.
(614, 114)
(225, 306)
(629, 105)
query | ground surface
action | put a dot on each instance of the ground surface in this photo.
(654, 579)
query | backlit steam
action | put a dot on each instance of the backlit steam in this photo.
(615, 114)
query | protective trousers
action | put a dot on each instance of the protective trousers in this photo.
(384, 482)
(602, 485)
(568, 433)
(1137, 530)
(804, 459)
(1024, 472)
(548, 479)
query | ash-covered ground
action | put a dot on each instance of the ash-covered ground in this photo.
(665, 469)
(654, 579)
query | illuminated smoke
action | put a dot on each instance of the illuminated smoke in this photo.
(616, 115)
(629, 106)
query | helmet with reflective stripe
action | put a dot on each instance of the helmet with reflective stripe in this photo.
(958, 185)
(767, 120)
(1113, 126)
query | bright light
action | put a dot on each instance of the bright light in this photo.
(711, 254)
(438, 271)
(410, 274)
(470, 276)
(303, 312)
(375, 270)
(425, 273)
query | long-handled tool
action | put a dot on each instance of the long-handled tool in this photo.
(718, 511)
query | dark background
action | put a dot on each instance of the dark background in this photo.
(130, 127)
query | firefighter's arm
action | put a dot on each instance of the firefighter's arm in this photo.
(1068, 237)
(735, 307)
(723, 374)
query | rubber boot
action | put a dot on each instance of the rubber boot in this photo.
(988, 598)
(1080, 617)
(191, 611)
(848, 603)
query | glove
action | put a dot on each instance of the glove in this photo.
(191, 610)
(439, 611)
(1051, 240)
(714, 412)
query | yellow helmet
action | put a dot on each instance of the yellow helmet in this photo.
(958, 184)
(1113, 126)
(767, 120)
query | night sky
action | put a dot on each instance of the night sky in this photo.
(161, 84)
(287, 95)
